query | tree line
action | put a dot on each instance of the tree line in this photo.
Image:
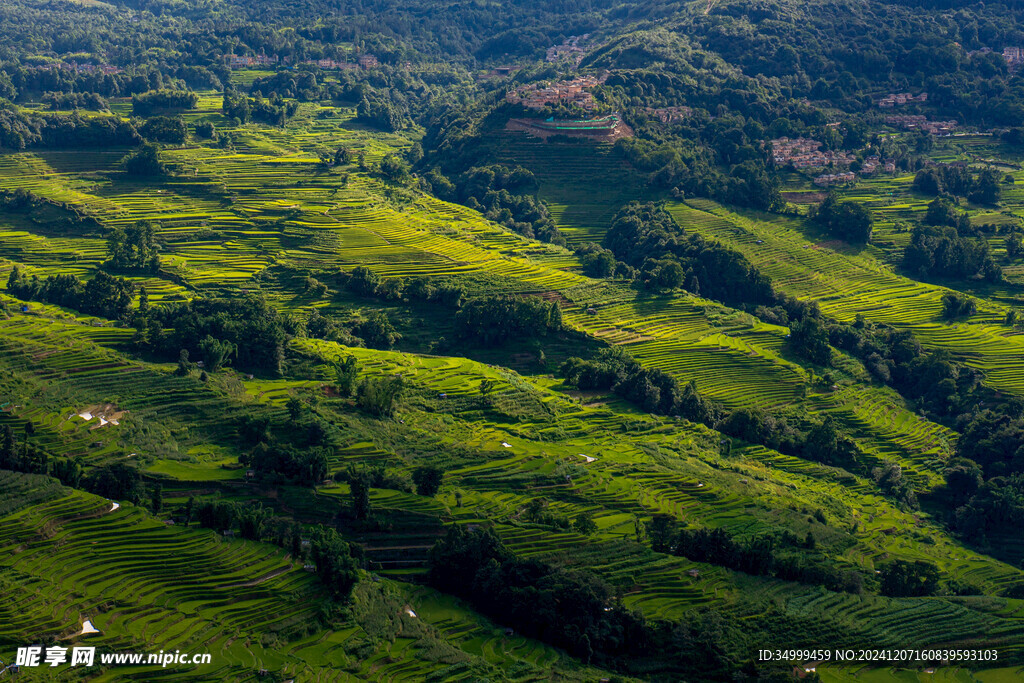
(22, 130)
(275, 111)
(160, 101)
(503, 194)
(980, 186)
(658, 392)
(944, 246)
(783, 556)
(664, 256)
(573, 609)
(104, 295)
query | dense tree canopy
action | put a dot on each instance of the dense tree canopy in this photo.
(254, 328)
(646, 237)
(495, 319)
(103, 295)
(848, 221)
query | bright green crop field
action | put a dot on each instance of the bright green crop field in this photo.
(502, 425)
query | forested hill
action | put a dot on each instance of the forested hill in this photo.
(839, 52)
(453, 30)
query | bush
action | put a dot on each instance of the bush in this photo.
(493, 320)
(117, 482)
(377, 331)
(363, 281)
(168, 129)
(133, 249)
(394, 169)
(809, 338)
(144, 162)
(205, 130)
(909, 579)
(596, 262)
(956, 305)
(428, 480)
(335, 565)
(377, 395)
(848, 221)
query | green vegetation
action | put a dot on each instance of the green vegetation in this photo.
(848, 221)
(153, 101)
(310, 359)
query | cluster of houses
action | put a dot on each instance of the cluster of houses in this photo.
(569, 49)
(539, 95)
(245, 61)
(364, 61)
(920, 122)
(86, 68)
(872, 163)
(1014, 56)
(829, 179)
(334, 65)
(805, 153)
(669, 114)
(899, 99)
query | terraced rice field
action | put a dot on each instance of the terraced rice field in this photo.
(626, 481)
(266, 203)
(639, 468)
(232, 218)
(848, 283)
(188, 589)
(75, 559)
(584, 185)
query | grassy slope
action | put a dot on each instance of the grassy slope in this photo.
(148, 586)
(267, 205)
(643, 465)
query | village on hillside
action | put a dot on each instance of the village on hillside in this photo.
(899, 99)
(540, 95)
(803, 153)
(806, 154)
(570, 49)
(921, 122)
(1013, 55)
(364, 61)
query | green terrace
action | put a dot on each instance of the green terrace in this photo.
(848, 282)
(640, 466)
(147, 585)
(255, 217)
(277, 210)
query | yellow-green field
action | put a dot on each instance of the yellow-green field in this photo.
(247, 219)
